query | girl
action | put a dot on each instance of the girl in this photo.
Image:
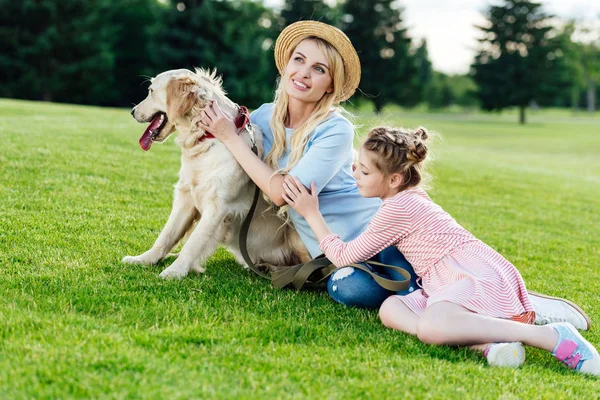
(470, 294)
(306, 135)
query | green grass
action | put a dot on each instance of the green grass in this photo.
(77, 194)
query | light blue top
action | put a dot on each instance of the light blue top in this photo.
(327, 161)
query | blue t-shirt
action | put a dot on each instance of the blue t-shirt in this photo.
(327, 161)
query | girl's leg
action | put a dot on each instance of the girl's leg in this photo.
(396, 315)
(447, 323)
(450, 324)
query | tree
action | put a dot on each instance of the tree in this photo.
(447, 90)
(464, 90)
(235, 37)
(438, 92)
(423, 64)
(589, 58)
(389, 73)
(297, 10)
(56, 50)
(135, 22)
(520, 59)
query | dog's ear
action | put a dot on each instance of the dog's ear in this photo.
(181, 97)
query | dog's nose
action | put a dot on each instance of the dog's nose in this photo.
(132, 111)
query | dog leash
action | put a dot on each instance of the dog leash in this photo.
(243, 121)
(314, 271)
(244, 237)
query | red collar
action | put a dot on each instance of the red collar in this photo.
(242, 119)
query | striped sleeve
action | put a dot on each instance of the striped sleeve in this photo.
(389, 225)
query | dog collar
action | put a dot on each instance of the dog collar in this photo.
(241, 122)
(243, 117)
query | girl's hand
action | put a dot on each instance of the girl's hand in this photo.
(214, 120)
(299, 198)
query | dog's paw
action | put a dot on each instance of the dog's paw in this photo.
(136, 260)
(150, 257)
(197, 270)
(174, 272)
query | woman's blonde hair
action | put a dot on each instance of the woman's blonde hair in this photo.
(323, 109)
(398, 150)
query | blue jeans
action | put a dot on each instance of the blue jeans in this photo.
(353, 287)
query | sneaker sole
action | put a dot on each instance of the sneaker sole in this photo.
(588, 321)
(508, 355)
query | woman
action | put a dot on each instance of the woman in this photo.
(307, 136)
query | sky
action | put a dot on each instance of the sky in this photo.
(448, 25)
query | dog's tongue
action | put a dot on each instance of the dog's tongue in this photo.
(146, 139)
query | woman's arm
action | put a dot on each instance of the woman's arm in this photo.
(330, 150)
(256, 168)
(215, 122)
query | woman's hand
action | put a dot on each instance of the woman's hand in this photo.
(214, 120)
(298, 197)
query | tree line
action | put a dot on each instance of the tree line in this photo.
(99, 51)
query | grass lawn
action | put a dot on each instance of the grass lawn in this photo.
(77, 194)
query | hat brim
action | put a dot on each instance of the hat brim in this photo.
(293, 34)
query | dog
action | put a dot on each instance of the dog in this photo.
(213, 194)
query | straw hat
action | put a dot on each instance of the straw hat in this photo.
(293, 34)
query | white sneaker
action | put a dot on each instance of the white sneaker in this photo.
(550, 309)
(508, 355)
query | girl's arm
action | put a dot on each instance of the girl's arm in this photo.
(389, 225)
(306, 204)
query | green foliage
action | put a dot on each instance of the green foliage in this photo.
(520, 60)
(235, 36)
(423, 64)
(76, 51)
(447, 90)
(100, 51)
(589, 65)
(136, 23)
(464, 90)
(97, 51)
(56, 50)
(441, 90)
(76, 323)
(297, 10)
(438, 91)
(389, 71)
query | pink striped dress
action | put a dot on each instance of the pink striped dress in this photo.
(452, 264)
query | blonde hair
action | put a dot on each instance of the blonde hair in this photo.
(323, 109)
(398, 150)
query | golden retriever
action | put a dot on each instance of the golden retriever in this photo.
(214, 193)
